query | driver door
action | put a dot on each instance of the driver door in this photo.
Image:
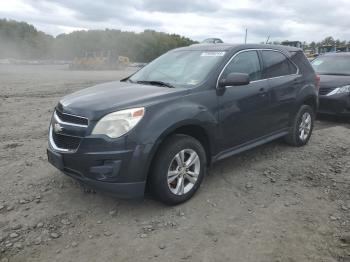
(244, 110)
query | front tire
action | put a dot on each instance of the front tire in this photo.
(302, 127)
(178, 169)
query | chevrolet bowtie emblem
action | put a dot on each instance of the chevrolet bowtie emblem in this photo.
(57, 128)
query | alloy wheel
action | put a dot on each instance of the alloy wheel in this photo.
(305, 126)
(183, 171)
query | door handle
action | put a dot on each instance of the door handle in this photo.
(296, 83)
(262, 92)
(297, 80)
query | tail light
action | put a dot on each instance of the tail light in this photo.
(318, 79)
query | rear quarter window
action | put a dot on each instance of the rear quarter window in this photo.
(304, 65)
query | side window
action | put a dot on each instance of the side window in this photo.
(277, 64)
(245, 62)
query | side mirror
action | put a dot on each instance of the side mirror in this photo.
(235, 79)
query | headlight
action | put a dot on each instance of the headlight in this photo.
(340, 90)
(118, 123)
(344, 89)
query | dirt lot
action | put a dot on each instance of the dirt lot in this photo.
(272, 203)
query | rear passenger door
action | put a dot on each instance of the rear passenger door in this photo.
(283, 80)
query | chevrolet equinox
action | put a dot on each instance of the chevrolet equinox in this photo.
(164, 125)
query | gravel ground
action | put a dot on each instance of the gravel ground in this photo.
(272, 203)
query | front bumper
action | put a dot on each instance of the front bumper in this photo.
(338, 104)
(121, 173)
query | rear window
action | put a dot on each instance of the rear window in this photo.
(277, 64)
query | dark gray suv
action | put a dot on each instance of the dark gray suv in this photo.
(161, 127)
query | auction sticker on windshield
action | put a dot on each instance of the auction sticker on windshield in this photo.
(213, 54)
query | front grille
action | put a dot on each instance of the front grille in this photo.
(66, 142)
(326, 90)
(72, 119)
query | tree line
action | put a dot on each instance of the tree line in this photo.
(328, 41)
(314, 46)
(23, 41)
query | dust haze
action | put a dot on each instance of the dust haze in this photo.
(273, 203)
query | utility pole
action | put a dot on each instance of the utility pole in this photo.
(246, 34)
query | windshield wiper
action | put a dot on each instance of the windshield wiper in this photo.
(156, 83)
(126, 79)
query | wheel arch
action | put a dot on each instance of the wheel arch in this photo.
(311, 101)
(190, 128)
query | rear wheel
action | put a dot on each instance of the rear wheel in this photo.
(178, 169)
(302, 127)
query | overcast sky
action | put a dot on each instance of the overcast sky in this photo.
(304, 20)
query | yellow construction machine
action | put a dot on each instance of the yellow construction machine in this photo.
(100, 61)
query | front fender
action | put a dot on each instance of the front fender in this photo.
(174, 115)
(159, 123)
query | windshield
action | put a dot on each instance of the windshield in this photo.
(179, 68)
(332, 65)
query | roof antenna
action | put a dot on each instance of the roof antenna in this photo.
(246, 34)
(267, 40)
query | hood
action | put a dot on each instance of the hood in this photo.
(333, 81)
(96, 101)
